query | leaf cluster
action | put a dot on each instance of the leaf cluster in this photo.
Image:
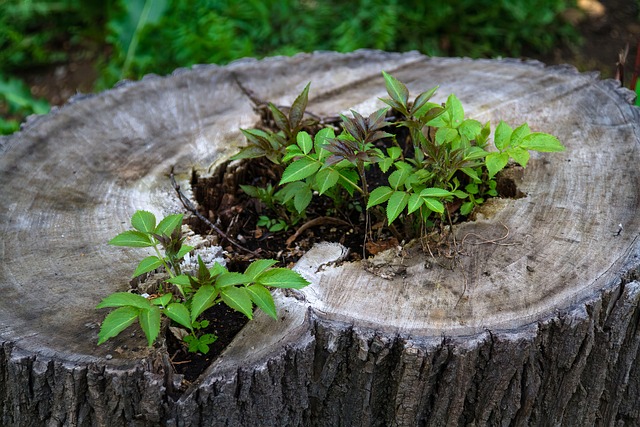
(445, 158)
(272, 145)
(195, 292)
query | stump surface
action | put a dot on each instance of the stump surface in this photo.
(539, 327)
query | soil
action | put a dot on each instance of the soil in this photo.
(605, 31)
(225, 323)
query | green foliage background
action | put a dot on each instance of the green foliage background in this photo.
(132, 38)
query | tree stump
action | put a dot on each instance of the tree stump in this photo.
(537, 327)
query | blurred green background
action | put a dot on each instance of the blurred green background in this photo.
(107, 41)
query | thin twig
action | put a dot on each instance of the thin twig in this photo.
(189, 206)
(312, 223)
(257, 102)
(493, 241)
(464, 289)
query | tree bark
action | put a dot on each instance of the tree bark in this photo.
(535, 323)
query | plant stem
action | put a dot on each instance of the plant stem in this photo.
(164, 263)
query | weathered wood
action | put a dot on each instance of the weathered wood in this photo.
(539, 329)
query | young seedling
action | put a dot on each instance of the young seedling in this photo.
(429, 154)
(184, 297)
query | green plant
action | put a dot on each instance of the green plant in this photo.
(435, 157)
(16, 100)
(272, 145)
(272, 224)
(184, 297)
(219, 31)
(125, 36)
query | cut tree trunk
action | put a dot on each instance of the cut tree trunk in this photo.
(537, 328)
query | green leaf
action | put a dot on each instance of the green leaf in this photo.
(502, 136)
(204, 298)
(326, 179)
(441, 120)
(121, 299)
(466, 208)
(181, 280)
(148, 264)
(203, 272)
(435, 192)
(180, 314)
(184, 249)
(399, 176)
(397, 202)
(300, 169)
(394, 152)
(518, 134)
(278, 116)
(139, 16)
(281, 278)
(144, 221)
(385, 164)
(250, 152)
(250, 190)
(169, 224)
(396, 90)
(460, 194)
(379, 195)
(238, 299)
(470, 128)
(258, 267)
(445, 135)
(472, 188)
(520, 155)
(17, 95)
(420, 105)
(470, 172)
(395, 105)
(474, 153)
(217, 269)
(263, 299)
(304, 142)
(434, 204)
(117, 321)
(349, 179)
(322, 138)
(201, 343)
(296, 113)
(292, 151)
(542, 142)
(495, 162)
(231, 279)
(163, 300)
(415, 201)
(481, 138)
(289, 191)
(150, 323)
(302, 199)
(132, 239)
(454, 106)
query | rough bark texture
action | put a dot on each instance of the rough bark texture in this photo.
(541, 332)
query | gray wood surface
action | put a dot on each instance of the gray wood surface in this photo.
(540, 329)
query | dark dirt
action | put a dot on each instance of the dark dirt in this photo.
(225, 323)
